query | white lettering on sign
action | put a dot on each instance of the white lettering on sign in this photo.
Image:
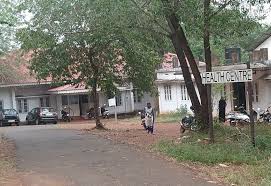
(226, 76)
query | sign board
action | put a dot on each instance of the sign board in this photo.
(112, 102)
(227, 76)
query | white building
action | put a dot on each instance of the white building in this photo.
(23, 92)
(173, 93)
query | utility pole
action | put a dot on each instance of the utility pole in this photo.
(251, 111)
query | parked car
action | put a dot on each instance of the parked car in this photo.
(9, 117)
(42, 115)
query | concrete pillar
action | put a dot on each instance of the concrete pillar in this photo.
(132, 97)
(13, 99)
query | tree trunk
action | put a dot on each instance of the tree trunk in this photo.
(208, 61)
(180, 42)
(99, 125)
(94, 85)
(187, 76)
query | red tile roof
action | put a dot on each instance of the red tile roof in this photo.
(14, 69)
(69, 87)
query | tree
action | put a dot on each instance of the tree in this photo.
(8, 20)
(78, 42)
(209, 25)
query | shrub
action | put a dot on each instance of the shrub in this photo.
(263, 143)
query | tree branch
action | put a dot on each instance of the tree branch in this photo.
(150, 16)
(5, 23)
(220, 8)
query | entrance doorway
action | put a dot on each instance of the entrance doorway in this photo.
(239, 95)
(83, 104)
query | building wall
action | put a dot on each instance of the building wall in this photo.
(146, 98)
(266, 44)
(176, 101)
(36, 90)
(5, 96)
(125, 107)
(264, 95)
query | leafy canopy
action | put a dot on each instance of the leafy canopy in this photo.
(82, 41)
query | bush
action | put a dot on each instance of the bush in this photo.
(263, 143)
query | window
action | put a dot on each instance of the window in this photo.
(73, 99)
(1, 105)
(137, 96)
(118, 100)
(22, 105)
(65, 100)
(45, 102)
(255, 92)
(33, 111)
(167, 89)
(41, 102)
(184, 93)
(175, 62)
(84, 98)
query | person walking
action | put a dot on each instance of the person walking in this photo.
(149, 118)
(222, 109)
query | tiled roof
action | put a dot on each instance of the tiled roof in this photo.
(69, 87)
(14, 69)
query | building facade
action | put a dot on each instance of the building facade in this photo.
(22, 92)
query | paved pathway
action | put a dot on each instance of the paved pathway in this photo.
(48, 155)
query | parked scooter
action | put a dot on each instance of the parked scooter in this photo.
(240, 116)
(265, 116)
(66, 117)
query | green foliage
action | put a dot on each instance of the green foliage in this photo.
(85, 41)
(233, 26)
(8, 21)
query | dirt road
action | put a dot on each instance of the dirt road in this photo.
(51, 155)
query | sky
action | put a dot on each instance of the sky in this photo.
(267, 20)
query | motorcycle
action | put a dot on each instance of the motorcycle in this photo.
(189, 122)
(91, 114)
(104, 113)
(265, 116)
(66, 116)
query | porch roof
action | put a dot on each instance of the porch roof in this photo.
(69, 89)
(268, 77)
(78, 89)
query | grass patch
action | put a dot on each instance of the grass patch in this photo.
(247, 165)
(172, 117)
